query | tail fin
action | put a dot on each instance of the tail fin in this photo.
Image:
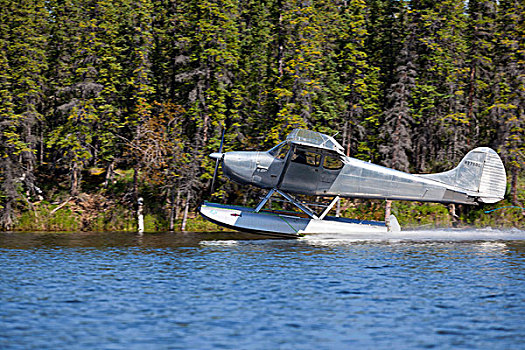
(481, 173)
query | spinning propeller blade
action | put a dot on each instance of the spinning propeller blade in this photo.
(218, 156)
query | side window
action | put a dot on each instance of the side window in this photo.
(332, 163)
(308, 158)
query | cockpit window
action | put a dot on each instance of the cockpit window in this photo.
(308, 158)
(332, 163)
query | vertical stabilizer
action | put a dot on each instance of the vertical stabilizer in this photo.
(481, 174)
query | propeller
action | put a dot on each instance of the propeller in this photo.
(218, 156)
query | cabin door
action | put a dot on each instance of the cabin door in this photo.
(331, 167)
(302, 174)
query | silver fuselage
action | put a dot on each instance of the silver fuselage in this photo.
(356, 178)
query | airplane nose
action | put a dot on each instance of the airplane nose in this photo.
(217, 155)
(239, 166)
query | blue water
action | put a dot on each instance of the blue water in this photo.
(427, 290)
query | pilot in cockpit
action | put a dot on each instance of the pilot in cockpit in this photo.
(299, 157)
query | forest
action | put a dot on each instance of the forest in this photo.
(105, 101)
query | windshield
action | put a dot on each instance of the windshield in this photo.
(275, 150)
(314, 139)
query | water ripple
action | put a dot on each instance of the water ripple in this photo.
(177, 291)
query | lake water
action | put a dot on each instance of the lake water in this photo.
(452, 289)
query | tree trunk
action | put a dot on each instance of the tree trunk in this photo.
(75, 180)
(8, 189)
(347, 138)
(135, 183)
(514, 185)
(109, 174)
(470, 98)
(186, 208)
(177, 205)
(172, 210)
(452, 210)
(41, 155)
(7, 216)
(388, 211)
(140, 215)
(280, 41)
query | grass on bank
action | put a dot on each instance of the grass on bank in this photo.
(119, 219)
(72, 218)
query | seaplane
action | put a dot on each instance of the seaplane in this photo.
(313, 164)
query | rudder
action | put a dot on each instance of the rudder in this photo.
(493, 182)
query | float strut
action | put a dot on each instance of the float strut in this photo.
(330, 206)
(265, 199)
(299, 205)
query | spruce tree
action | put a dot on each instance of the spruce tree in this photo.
(508, 92)
(23, 40)
(87, 83)
(396, 130)
(481, 39)
(439, 97)
(359, 85)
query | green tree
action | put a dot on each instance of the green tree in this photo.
(481, 39)
(257, 72)
(23, 40)
(88, 78)
(508, 90)
(439, 97)
(300, 59)
(359, 86)
(396, 130)
(208, 45)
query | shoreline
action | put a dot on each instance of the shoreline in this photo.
(99, 214)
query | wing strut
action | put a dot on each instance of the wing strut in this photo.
(286, 165)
